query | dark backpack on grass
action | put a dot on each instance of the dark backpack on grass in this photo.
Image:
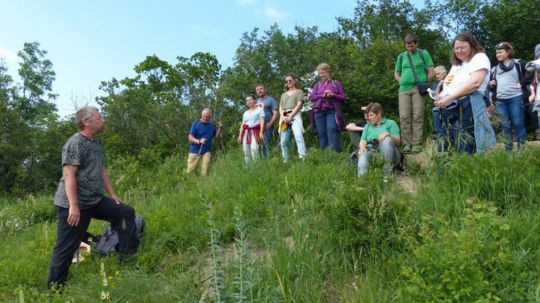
(108, 242)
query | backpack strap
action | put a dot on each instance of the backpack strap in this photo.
(421, 51)
(519, 70)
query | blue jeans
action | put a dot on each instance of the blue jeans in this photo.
(390, 153)
(327, 129)
(483, 131)
(439, 127)
(285, 139)
(268, 134)
(460, 129)
(513, 116)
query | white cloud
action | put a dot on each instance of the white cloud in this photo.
(245, 2)
(274, 14)
(7, 54)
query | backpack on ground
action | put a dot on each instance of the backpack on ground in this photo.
(108, 242)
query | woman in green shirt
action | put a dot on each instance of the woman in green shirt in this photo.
(379, 135)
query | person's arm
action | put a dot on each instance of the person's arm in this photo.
(532, 96)
(395, 138)
(296, 109)
(261, 122)
(397, 68)
(397, 76)
(192, 139)
(352, 127)
(218, 130)
(70, 182)
(273, 119)
(240, 133)
(477, 77)
(108, 186)
(314, 96)
(340, 93)
(431, 73)
(362, 146)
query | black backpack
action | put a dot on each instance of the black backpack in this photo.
(108, 242)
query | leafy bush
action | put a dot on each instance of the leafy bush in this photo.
(471, 262)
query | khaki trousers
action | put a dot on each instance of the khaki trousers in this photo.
(411, 116)
(193, 159)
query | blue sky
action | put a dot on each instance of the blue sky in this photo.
(93, 41)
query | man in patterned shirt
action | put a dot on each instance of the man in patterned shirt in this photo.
(80, 198)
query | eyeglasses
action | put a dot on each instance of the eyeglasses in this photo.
(289, 80)
(460, 49)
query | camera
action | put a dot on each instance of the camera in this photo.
(373, 144)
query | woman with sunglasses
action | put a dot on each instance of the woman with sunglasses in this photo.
(290, 118)
(505, 81)
(463, 100)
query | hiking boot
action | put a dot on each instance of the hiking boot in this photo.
(415, 149)
(407, 149)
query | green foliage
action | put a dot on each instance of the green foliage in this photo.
(472, 262)
(302, 231)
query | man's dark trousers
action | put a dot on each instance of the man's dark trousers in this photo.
(122, 218)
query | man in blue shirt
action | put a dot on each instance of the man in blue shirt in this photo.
(200, 135)
(270, 115)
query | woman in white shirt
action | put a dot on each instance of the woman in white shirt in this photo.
(251, 130)
(463, 94)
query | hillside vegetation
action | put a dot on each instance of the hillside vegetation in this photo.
(301, 232)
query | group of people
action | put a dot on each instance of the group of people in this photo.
(461, 115)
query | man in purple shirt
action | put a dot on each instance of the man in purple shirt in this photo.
(327, 96)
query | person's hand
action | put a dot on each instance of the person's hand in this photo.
(267, 126)
(220, 125)
(351, 125)
(117, 199)
(443, 102)
(239, 140)
(74, 216)
(261, 134)
(492, 83)
(362, 149)
(383, 136)
(202, 141)
(287, 119)
(328, 93)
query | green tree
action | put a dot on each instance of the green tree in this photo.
(151, 112)
(35, 98)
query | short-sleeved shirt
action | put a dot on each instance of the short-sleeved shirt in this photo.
(372, 131)
(403, 67)
(201, 130)
(252, 118)
(87, 155)
(269, 105)
(289, 102)
(508, 85)
(460, 74)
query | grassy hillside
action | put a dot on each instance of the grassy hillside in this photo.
(463, 229)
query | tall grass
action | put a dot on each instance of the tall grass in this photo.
(300, 232)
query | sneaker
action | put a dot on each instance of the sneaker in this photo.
(415, 149)
(406, 149)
